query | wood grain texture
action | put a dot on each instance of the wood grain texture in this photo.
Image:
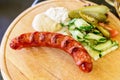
(43, 63)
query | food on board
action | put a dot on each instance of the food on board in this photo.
(55, 40)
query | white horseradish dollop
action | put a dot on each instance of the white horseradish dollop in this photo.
(58, 14)
(50, 19)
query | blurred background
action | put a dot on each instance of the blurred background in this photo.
(10, 9)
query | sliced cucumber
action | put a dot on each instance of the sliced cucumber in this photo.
(85, 28)
(95, 37)
(103, 46)
(82, 25)
(72, 27)
(115, 43)
(109, 50)
(72, 21)
(80, 22)
(76, 34)
(93, 53)
(95, 31)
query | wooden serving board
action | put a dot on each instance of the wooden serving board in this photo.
(43, 63)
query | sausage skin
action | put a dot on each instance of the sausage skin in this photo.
(55, 40)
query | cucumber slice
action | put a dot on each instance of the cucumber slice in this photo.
(80, 22)
(85, 28)
(115, 43)
(95, 37)
(93, 53)
(76, 34)
(95, 31)
(109, 50)
(103, 46)
(72, 21)
(72, 27)
(82, 25)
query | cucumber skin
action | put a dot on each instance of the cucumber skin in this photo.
(79, 24)
(93, 53)
(109, 50)
(76, 34)
(93, 36)
(103, 46)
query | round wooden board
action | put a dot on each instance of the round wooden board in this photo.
(44, 63)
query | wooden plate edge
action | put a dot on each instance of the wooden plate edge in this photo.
(9, 30)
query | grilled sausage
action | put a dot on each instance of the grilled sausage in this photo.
(55, 40)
